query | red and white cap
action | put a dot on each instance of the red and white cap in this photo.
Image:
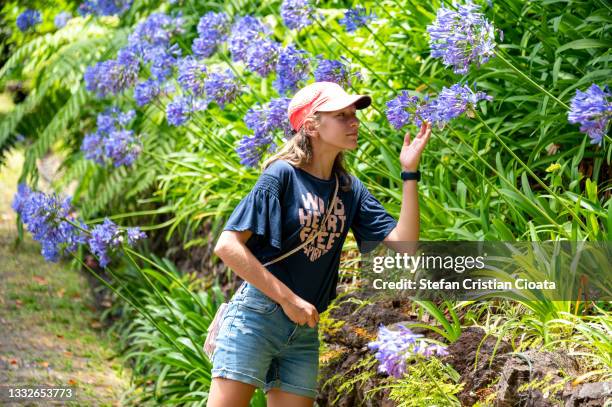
(322, 97)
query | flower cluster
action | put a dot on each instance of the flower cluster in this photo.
(28, 19)
(179, 110)
(107, 237)
(245, 32)
(593, 110)
(262, 57)
(104, 7)
(264, 121)
(293, 66)
(48, 219)
(331, 70)
(355, 18)
(61, 19)
(148, 43)
(453, 102)
(221, 88)
(394, 347)
(51, 223)
(450, 103)
(213, 29)
(191, 75)
(296, 13)
(461, 37)
(402, 109)
(112, 140)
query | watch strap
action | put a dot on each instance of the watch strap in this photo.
(411, 175)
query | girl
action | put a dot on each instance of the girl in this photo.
(269, 336)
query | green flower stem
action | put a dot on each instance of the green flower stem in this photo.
(239, 76)
(486, 179)
(528, 79)
(131, 214)
(533, 175)
(172, 276)
(139, 308)
(176, 319)
(352, 53)
(397, 58)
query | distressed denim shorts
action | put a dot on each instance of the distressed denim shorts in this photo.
(259, 345)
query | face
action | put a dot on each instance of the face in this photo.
(339, 128)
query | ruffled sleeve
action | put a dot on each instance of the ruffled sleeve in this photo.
(372, 223)
(260, 212)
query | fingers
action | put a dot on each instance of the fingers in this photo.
(407, 139)
(425, 127)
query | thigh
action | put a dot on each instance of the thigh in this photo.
(251, 335)
(227, 392)
(297, 366)
(278, 398)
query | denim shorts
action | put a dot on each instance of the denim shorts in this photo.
(259, 345)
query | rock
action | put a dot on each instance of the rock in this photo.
(529, 367)
(588, 394)
(471, 355)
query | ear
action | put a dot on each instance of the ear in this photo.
(311, 126)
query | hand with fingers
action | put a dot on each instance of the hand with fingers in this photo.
(411, 151)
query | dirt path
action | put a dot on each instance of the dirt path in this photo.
(49, 331)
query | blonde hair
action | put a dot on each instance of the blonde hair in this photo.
(297, 151)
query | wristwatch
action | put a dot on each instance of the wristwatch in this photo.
(409, 175)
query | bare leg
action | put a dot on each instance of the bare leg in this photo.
(226, 392)
(278, 398)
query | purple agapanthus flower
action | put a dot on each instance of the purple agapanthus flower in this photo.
(61, 19)
(213, 29)
(49, 219)
(453, 102)
(221, 88)
(163, 61)
(28, 19)
(111, 77)
(355, 18)
(122, 147)
(179, 111)
(461, 37)
(112, 141)
(245, 32)
(263, 56)
(107, 237)
(265, 121)
(593, 110)
(145, 92)
(149, 43)
(292, 67)
(402, 109)
(93, 147)
(332, 70)
(296, 14)
(191, 75)
(156, 31)
(104, 7)
(394, 347)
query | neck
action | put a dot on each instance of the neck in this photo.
(322, 161)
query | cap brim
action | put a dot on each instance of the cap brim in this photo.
(360, 102)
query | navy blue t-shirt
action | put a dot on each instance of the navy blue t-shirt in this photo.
(286, 206)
